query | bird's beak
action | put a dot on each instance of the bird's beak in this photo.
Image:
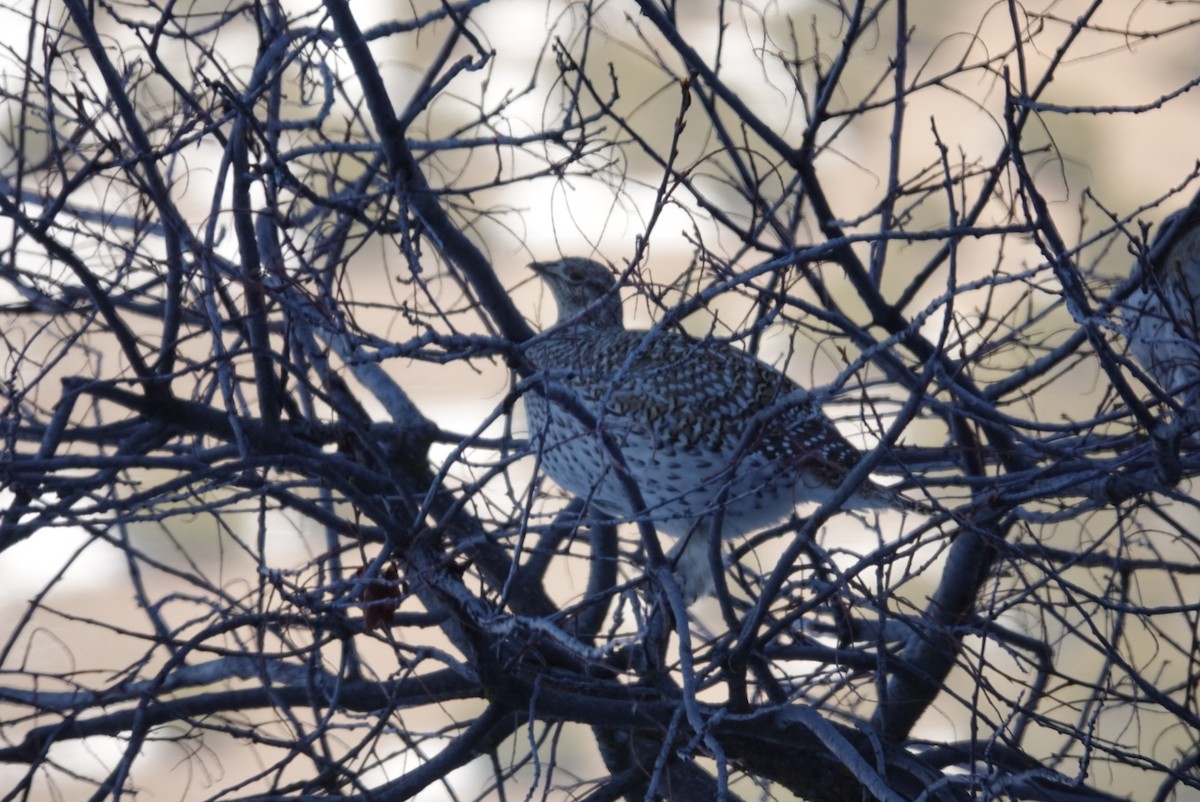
(541, 268)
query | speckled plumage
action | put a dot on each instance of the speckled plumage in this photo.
(694, 419)
(1163, 313)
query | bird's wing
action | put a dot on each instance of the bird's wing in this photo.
(705, 392)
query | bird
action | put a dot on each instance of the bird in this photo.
(1162, 314)
(702, 427)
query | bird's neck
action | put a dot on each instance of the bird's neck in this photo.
(594, 318)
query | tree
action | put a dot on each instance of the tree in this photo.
(271, 525)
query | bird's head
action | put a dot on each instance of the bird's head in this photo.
(585, 291)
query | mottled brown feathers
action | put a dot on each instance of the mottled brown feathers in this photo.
(699, 423)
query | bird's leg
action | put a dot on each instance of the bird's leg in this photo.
(690, 557)
(1166, 439)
